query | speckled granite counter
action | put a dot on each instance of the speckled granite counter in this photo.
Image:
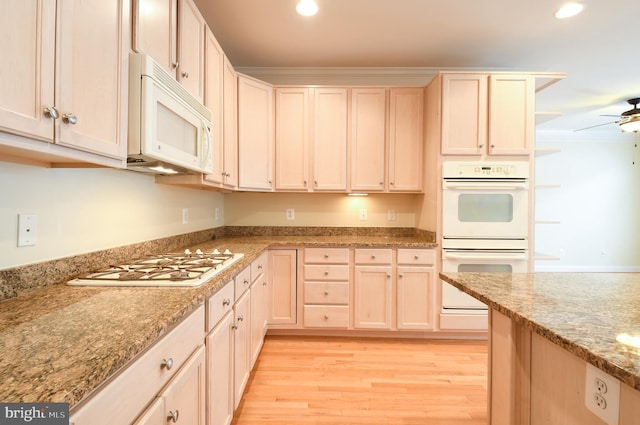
(59, 343)
(581, 312)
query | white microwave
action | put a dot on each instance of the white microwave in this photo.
(170, 131)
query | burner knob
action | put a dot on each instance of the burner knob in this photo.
(199, 252)
(216, 252)
(187, 252)
(226, 251)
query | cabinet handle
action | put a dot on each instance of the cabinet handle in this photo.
(493, 146)
(326, 255)
(259, 266)
(373, 257)
(240, 318)
(226, 301)
(326, 273)
(415, 257)
(175, 64)
(315, 182)
(326, 292)
(388, 276)
(326, 317)
(51, 112)
(69, 119)
(305, 183)
(392, 183)
(173, 416)
(166, 363)
(234, 326)
(185, 74)
(246, 282)
(481, 146)
(400, 275)
(381, 183)
(264, 283)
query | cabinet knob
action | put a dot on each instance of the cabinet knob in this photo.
(51, 112)
(259, 266)
(381, 183)
(240, 318)
(493, 146)
(415, 257)
(326, 273)
(173, 416)
(326, 255)
(175, 64)
(166, 363)
(226, 301)
(264, 283)
(392, 183)
(69, 119)
(388, 276)
(326, 292)
(185, 75)
(326, 317)
(246, 282)
(373, 257)
(400, 275)
(234, 326)
(315, 182)
(481, 146)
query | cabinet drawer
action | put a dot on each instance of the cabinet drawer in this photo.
(326, 293)
(219, 304)
(326, 272)
(143, 379)
(243, 282)
(259, 266)
(425, 257)
(326, 255)
(373, 256)
(326, 316)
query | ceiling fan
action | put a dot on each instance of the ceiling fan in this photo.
(629, 121)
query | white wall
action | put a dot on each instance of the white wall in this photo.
(84, 210)
(597, 204)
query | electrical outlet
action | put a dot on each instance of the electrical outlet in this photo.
(291, 214)
(185, 215)
(602, 395)
(391, 215)
(363, 214)
(217, 214)
(27, 229)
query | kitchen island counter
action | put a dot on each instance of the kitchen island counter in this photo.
(60, 343)
(580, 312)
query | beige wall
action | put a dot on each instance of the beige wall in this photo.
(319, 209)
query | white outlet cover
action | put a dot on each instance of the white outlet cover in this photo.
(593, 379)
(27, 229)
(291, 214)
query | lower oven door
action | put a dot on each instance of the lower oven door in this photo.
(476, 260)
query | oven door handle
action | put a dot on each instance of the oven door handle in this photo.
(470, 256)
(486, 186)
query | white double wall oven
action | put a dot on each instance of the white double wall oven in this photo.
(485, 224)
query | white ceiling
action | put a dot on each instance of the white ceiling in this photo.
(597, 49)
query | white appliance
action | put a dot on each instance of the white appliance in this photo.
(170, 131)
(485, 227)
(485, 200)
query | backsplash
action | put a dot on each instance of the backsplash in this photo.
(23, 279)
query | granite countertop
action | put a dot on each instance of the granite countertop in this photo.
(59, 343)
(581, 312)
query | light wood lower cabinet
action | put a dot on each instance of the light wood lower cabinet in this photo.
(415, 289)
(220, 372)
(242, 343)
(326, 288)
(372, 297)
(282, 293)
(259, 296)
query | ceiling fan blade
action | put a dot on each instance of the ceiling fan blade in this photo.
(616, 116)
(597, 125)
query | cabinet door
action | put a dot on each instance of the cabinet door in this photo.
(185, 394)
(282, 286)
(292, 138)
(242, 346)
(154, 415)
(92, 70)
(414, 308)
(230, 124)
(191, 40)
(255, 134)
(511, 114)
(220, 372)
(367, 137)
(372, 298)
(258, 308)
(155, 31)
(406, 139)
(213, 99)
(27, 31)
(464, 114)
(330, 139)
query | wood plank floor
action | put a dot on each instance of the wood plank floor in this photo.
(347, 381)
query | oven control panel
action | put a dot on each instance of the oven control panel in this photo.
(485, 169)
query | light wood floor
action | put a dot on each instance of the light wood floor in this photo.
(347, 381)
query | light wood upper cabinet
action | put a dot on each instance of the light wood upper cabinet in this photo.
(255, 134)
(155, 31)
(406, 139)
(292, 138)
(329, 157)
(486, 114)
(367, 139)
(191, 51)
(230, 125)
(68, 79)
(213, 99)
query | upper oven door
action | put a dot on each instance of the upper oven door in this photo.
(492, 208)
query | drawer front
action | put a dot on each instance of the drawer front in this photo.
(141, 381)
(326, 316)
(219, 304)
(243, 282)
(373, 256)
(325, 272)
(326, 255)
(326, 293)
(423, 257)
(259, 266)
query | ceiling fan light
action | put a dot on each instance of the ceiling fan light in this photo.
(569, 10)
(307, 7)
(632, 124)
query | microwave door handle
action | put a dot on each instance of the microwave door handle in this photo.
(461, 256)
(207, 150)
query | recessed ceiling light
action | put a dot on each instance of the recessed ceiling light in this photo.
(307, 7)
(569, 10)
